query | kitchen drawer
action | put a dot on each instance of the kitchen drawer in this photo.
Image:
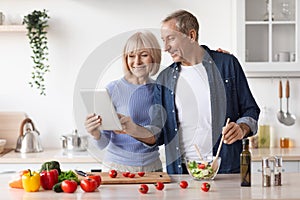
(19, 167)
(80, 166)
(287, 166)
(36, 167)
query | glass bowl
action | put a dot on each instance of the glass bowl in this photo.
(200, 170)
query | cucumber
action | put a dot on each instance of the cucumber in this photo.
(57, 187)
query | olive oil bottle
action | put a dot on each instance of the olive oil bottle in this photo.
(245, 162)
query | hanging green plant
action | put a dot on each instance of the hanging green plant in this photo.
(36, 24)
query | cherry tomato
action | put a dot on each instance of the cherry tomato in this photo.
(131, 175)
(125, 174)
(97, 178)
(201, 166)
(88, 185)
(159, 185)
(113, 173)
(69, 186)
(205, 186)
(143, 188)
(183, 184)
(141, 174)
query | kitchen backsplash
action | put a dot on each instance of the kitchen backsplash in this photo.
(266, 93)
(75, 33)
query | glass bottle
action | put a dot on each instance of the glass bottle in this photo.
(264, 129)
(277, 170)
(266, 173)
(245, 164)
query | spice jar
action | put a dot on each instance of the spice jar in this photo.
(277, 170)
(284, 142)
(266, 173)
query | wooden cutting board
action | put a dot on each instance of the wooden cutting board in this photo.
(149, 177)
(10, 123)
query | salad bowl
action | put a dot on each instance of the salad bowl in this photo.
(202, 170)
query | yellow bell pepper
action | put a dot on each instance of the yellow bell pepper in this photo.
(31, 181)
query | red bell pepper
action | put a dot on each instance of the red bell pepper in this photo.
(49, 178)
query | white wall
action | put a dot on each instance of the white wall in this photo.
(76, 29)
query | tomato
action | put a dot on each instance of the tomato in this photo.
(88, 185)
(141, 174)
(159, 185)
(113, 173)
(131, 175)
(126, 174)
(143, 188)
(183, 184)
(69, 186)
(201, 166)
(97, 178)
(205, 186)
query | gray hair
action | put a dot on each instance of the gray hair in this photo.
(185, 21)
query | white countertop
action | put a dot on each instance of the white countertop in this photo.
(223, 187)
(290, 154)
(49, 154)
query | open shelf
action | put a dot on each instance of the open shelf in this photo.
(12, 28)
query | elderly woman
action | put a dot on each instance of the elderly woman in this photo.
(132, 96)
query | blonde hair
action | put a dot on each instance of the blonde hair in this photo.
(143, 40)
(185, 21)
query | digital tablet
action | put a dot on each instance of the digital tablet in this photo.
(99, 102)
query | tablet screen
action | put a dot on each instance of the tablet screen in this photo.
(99, 102)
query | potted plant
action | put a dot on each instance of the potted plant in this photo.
(36, 24)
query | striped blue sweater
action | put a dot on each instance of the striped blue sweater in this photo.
(134, 101)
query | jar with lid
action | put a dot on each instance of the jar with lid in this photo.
(277, 170)
(266, 173)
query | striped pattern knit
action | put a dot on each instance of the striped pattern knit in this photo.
(134, 101)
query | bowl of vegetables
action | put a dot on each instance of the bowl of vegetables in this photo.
(202, 170)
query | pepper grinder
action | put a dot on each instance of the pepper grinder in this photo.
(277, 170)
(266, 173)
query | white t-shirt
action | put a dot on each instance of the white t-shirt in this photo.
(194, 111)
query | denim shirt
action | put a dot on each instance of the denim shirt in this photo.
(230, 97)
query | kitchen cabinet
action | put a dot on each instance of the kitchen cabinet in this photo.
(267, 35)
(13, 161)
(225, 186)
(287, 166)
(290, 157)
(87, 167)
(12, 28)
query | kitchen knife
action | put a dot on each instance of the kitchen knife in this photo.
(81, 173)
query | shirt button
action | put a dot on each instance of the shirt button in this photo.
(175, 129)
(177, 148)
(226, 81)
(179, 166)
(173, 111)
(172, 93)
(210, 61)
(174, 76)
(176, 68)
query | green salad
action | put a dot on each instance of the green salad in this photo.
(200, 171)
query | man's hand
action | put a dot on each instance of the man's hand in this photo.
(233, 132)
(92, 123)
(138, 132)
(128, 125)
